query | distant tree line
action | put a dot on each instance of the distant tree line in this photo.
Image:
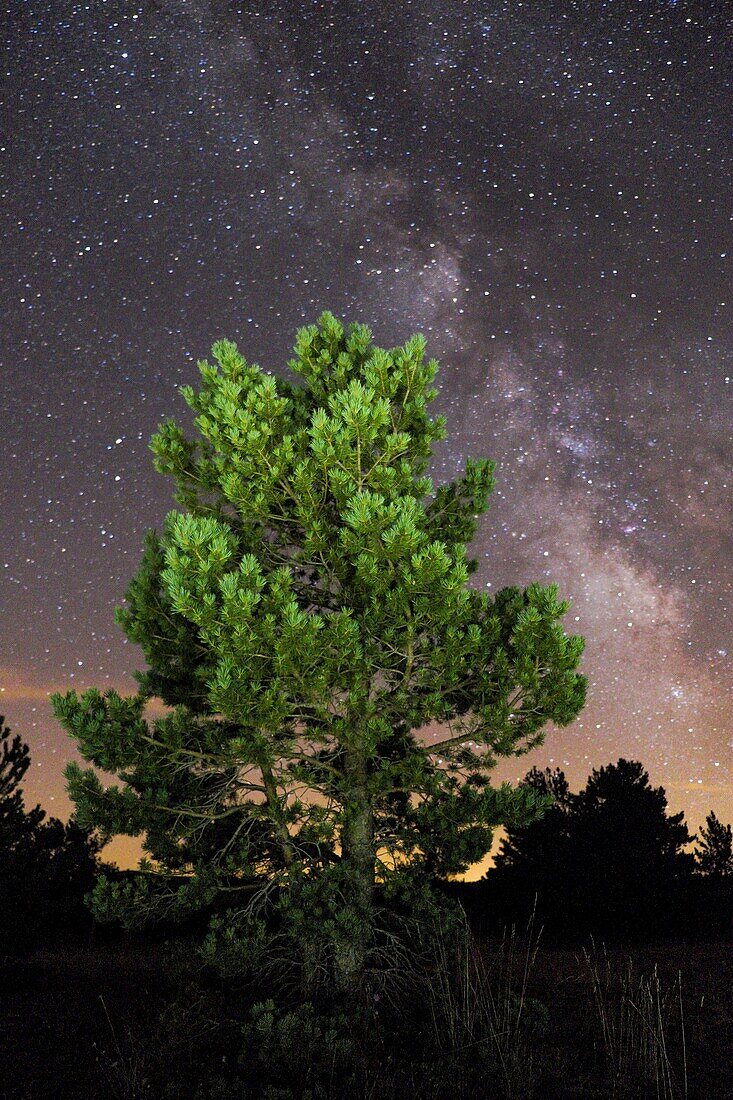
(46, 867)
(609, 860)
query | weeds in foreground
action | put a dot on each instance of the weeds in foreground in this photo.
(482, 1008)
(124, 1068)
(472, 1028)
(643, 1031)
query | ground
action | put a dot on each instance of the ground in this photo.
(74, 1018)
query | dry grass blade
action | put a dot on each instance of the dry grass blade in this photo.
(486, 1006)
(638, 1019)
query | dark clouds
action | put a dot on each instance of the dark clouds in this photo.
(546, 194)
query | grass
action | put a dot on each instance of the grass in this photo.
(508, 1018)
(480, 1003)
(123, 1064)
(643, 1030)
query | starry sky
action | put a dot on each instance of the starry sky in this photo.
(544, 190)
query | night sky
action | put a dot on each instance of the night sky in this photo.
(544, 189)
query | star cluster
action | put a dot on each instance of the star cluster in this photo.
(544, 190)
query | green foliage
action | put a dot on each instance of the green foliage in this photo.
(297, 1048)
(305, 615)
(236, 946)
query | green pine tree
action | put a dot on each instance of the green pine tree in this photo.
(304, 615)
(714, 851)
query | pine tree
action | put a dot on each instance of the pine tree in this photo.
(714, 851)
(18, 826)
(610, 858)
(304, 615)
(538, 846)
(46, 866)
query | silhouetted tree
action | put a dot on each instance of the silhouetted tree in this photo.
(609, 859)
(46, 866)
(18, 826)
(532, 858)
(630, 850)
(538, 845)
(714, 851)
(712, 897)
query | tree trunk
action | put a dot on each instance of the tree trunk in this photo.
(309, 950)
(357, 849)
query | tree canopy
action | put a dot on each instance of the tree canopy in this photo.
(714, 851)
(305, 615)
(18, 825)
(609, 858)
(46, 866)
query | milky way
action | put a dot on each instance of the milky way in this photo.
(544, 190)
